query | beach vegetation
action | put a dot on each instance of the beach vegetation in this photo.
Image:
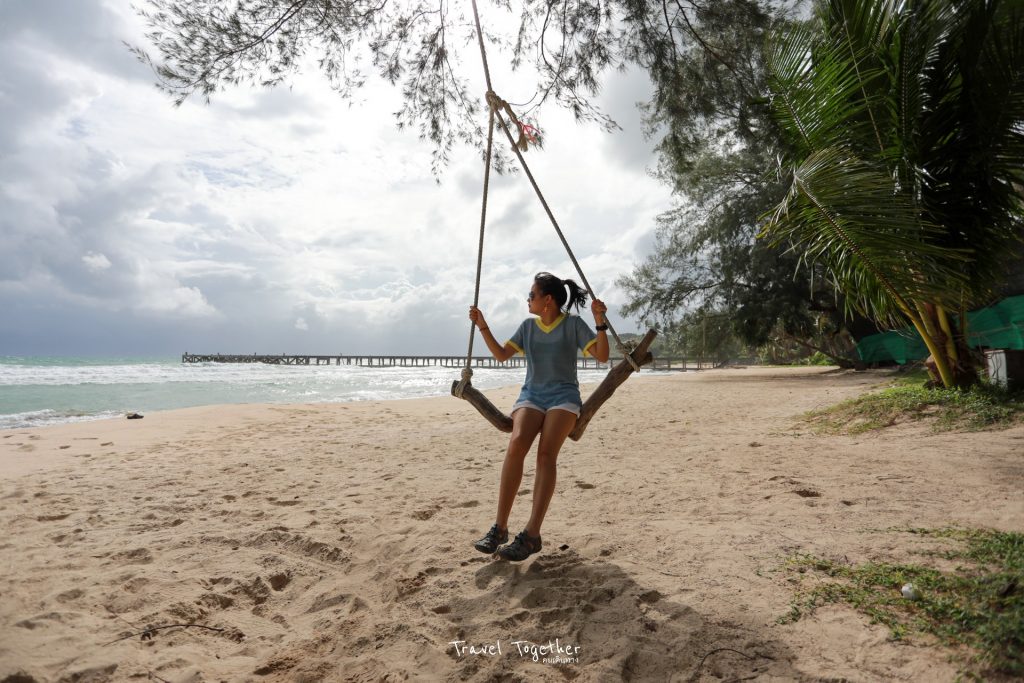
(817, 358)
(880, 160)
(969, 594)
(912, 398)
(709, 283)
(903, 168)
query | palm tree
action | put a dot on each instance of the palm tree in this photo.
(906, 124)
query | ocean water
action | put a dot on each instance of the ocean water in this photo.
(38, 391)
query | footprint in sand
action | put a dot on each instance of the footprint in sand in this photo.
(426, 514)
(136, 556)
(52, 518)
(409, 584)
(584, 485)
(326, 601)
(279, 581)
(72, 594)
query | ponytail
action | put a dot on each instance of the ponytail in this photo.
(576, 296)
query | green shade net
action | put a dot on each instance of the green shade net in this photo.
(996, 327)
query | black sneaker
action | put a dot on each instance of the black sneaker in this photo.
(489, 543)
(521, 548)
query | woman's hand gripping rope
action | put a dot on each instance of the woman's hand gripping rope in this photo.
(467, 372)
(477, 316)
(599, 310)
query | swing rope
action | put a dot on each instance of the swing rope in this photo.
(467, 372)
(495, 106)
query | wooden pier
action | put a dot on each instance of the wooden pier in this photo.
(369, 361)
(360, 360)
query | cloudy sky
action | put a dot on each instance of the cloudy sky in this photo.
(274, 221)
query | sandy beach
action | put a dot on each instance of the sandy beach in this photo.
(332, 542)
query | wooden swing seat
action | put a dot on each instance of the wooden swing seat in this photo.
(616, 376)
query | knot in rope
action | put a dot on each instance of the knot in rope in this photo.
(467, 375)
(527, 133)
(627, 349)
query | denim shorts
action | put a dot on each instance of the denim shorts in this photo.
(568, 407)
(550, 397)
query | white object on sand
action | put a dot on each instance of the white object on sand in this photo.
(910, 592)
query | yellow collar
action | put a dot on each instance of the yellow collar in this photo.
(548, 328)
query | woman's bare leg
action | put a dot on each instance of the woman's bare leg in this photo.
(526, 424)
(556, 427)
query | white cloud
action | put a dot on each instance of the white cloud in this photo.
(96, 262)
(268, 209)
(185, 301)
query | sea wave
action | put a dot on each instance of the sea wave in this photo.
(42, 418)
(244, 374)
(34, 393)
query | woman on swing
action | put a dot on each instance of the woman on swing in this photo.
(549, 402)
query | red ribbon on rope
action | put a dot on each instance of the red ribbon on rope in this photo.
(532, 133)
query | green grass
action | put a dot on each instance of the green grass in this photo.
(817, 358)
(979, 605)
(907, 399)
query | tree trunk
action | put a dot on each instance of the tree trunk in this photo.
(842, 361)
(950, 341)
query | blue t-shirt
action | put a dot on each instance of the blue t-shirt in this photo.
(551, 358)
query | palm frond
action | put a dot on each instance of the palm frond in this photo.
(866, 30)
(972, 133)
(817, 90)
(842, 211)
